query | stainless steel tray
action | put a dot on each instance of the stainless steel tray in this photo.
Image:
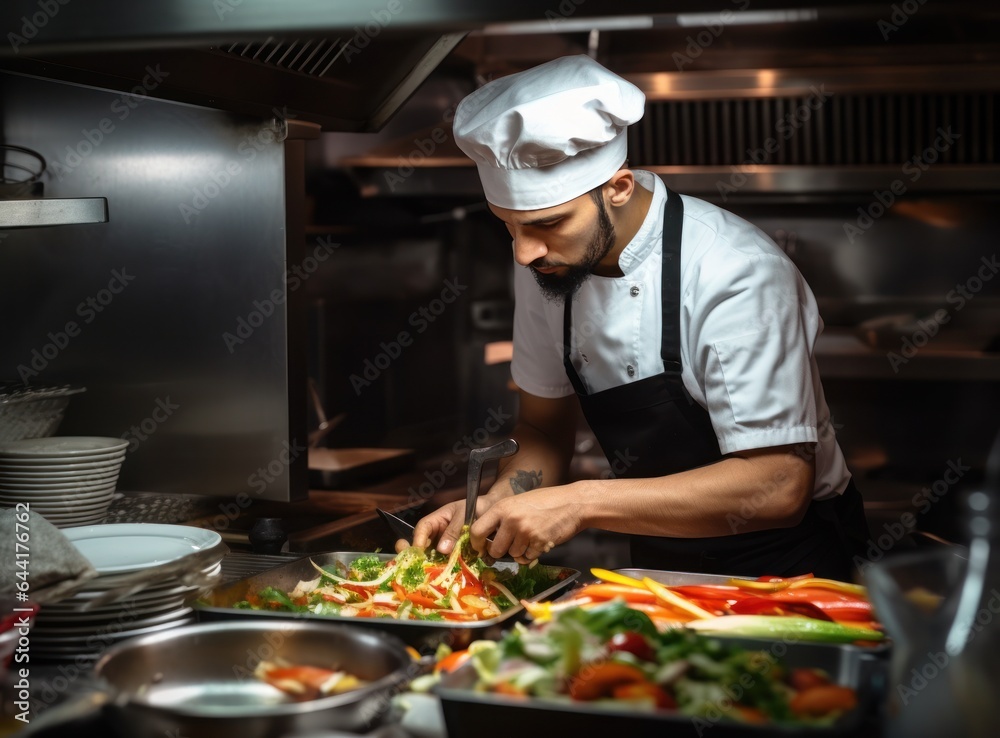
(487, 715)
(421, 634)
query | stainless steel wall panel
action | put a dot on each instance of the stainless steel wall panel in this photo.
(173, 313)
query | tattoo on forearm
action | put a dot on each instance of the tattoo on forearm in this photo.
(525, 480)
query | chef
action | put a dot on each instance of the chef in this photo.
(682, 331)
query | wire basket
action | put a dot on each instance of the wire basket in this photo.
(32, 412)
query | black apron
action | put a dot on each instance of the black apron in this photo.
(653, 427)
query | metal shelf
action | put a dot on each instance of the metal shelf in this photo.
(53, 211)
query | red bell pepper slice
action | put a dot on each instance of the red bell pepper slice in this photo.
(470, 578)
(422, 600)
(838, 605)
(767, 606)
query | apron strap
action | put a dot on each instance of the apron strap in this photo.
(670, 301)
(567, 335)
(670, 342)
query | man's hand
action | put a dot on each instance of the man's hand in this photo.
(444, 525)
(527, 525)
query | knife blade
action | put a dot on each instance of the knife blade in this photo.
(405, 530)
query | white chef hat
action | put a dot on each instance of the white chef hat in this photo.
(546, 135)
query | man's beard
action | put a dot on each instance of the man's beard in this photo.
(561, 286)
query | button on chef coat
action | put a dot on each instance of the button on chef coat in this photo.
(749, 324)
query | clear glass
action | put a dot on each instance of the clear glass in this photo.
(941, 608)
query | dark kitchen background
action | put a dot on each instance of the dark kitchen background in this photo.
(319, 163)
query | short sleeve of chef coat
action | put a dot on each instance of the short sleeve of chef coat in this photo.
(751, 326)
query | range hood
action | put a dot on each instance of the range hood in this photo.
(346, 65)
(829, 100)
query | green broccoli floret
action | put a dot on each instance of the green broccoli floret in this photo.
(365, 568)
(413, 576)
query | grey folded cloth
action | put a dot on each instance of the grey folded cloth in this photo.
(56, 569)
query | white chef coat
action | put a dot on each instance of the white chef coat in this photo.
(748, 328)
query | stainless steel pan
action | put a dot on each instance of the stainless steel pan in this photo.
(197, 681)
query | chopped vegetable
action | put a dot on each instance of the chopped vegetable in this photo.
(414, 585)
(805, 629)
(804, 596)
(613, 652)
(305, 682)
(675, 600)
(616, 578)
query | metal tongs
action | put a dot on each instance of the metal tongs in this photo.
(478, 457)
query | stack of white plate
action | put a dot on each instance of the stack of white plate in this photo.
(69, 480)
(122, 553)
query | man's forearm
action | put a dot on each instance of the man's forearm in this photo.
(538, 463)
(735, 495)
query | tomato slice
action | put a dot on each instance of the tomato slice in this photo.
(644, 691)
(452, 661)
(600, 680)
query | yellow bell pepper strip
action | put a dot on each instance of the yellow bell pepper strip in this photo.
(832, 584)
(675, 600)
(543, 611)
(771, 626)
(606, 591)
(616, 578)
(755, 586)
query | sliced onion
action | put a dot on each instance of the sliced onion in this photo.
(504, 591)
(476, 602)
(389, 571)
